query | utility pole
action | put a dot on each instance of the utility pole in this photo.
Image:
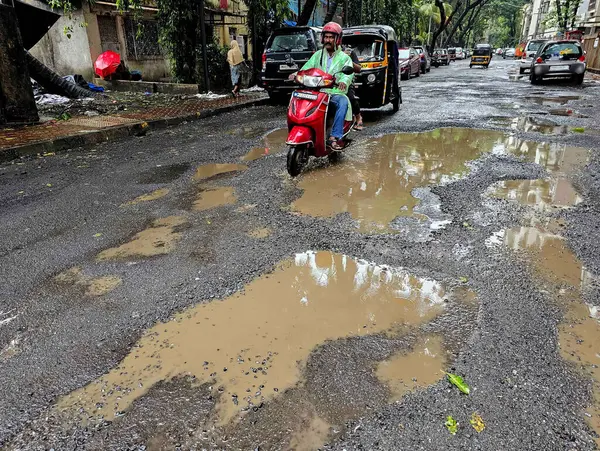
(204, 53)
(299, 11)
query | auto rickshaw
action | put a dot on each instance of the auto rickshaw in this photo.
(482, 55)
(376, 47)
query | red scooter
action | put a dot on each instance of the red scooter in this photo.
(307, 120)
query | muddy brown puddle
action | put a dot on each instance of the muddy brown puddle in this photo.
(158, 239)
(544, 194)
(253, 346)
(214, 197)
(564, 276)
(379, 184)
(272, 143)
(208, 171)
(529, 124)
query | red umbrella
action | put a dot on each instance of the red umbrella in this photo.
(107, 64)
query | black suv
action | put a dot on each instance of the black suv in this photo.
(286, 51)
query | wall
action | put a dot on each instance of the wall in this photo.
(63, 55)
(592, 54)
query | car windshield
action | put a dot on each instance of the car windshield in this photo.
(404, 53)
(534, 46)
(366, 47)
(298, 41)
(562, 51)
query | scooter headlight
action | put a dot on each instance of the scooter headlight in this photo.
(312, 82)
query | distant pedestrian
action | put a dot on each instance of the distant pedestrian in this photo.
(235, 60)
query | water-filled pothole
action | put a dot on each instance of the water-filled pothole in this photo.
(273, 143)
(566, 279)
(253, 345)
(207, 171)
(543, 194)
(549, 101)
(529, 124)
(214, 197)
(376, 185)
(158, 239)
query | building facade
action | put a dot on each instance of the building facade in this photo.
(73, 44)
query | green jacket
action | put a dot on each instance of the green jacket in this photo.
(340, 60)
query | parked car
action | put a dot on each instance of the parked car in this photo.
(452, 54)
(564, 58)
(441, 57)
(425, 58)
(460, 53)
(286, 51)
(410, 62)
(529, 52)
(508, 53)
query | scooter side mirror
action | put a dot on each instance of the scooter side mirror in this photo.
(348, 70)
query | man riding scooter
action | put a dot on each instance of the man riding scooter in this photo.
(331, 59)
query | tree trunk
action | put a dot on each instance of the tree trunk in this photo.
(443, 22)
(559, 16)
(330, 12)
(307, 11)
(470, 7)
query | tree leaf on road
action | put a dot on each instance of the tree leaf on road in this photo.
(463, 279)
(459, 382)
(97, 235)
(578, 129)
(477, 422)
(451, 425)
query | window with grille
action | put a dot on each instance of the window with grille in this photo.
(141, 38)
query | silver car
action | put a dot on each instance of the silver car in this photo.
(533, 45)
(559, 59)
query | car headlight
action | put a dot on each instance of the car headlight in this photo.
(371, 78)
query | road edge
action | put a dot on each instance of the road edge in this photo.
(116, 132)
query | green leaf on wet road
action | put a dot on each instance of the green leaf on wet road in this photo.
(458, 381)
(466, 225)
(463, 279)
(477, 422)
(97, 235)
(578, 129)
(451, 425)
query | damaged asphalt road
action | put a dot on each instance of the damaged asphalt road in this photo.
(180, 290)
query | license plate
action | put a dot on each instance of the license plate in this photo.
(286, 67)
(305, 95)
(558, 68)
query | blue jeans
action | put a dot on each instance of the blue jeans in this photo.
(341, 106)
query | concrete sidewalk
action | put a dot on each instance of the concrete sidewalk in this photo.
(57, 135)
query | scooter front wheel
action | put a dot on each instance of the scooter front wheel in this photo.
(297, 158)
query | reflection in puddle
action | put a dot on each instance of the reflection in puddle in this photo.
(422, 366)
(207, 171)
(549, 101)
(543, 194)
(158, 239)
(154, 195)
(376, 187)
(273, 142)
(565, 112)
(565, 276)
(93, 286)
(253, 345)
(557, 159)
(532, 125)
(216, 197)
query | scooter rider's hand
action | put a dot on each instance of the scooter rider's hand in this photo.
(292, 76)
(342, 86)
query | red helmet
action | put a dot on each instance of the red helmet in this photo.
(333, 28)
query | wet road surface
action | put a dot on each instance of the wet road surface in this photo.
(180, 290)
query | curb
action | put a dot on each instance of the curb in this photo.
(115, 133)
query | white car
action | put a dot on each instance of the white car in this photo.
(460, 53)
(509, 53)
(533, 45)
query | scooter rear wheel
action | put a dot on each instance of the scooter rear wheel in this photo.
(297, 158)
